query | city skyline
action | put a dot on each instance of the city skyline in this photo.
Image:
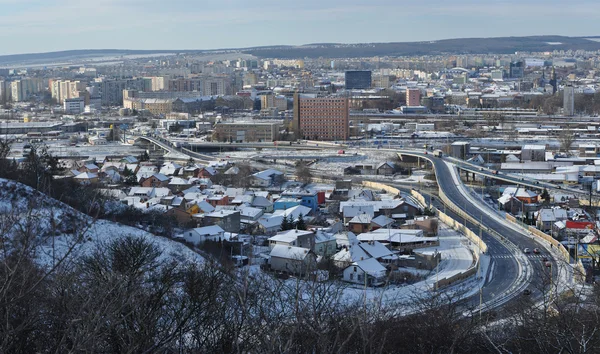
(34, 26)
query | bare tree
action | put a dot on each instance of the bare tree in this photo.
(566, 140)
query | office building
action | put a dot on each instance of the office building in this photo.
(247, 131)
(413, 97)
(569, 100)
(74, 105)
(358, 80)
(517, 69)
(321, 118)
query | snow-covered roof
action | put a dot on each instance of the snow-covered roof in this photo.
(289, 252)
(209, 230)
(371, 266)
(382, 220)
(267, 174)
(361, 219)
(375, 249)
(86, 175)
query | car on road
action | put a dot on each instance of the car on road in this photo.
(527, 292)
(526, 250)
(548, 264)
(536, 250)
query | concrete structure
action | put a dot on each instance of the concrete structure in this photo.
(533, 153)
(182, 84)
(247, 131)
(293, 260)
(569, 100)
(321, 118)
(460, 149)
(413, 97)
(358, 80)
(74, 105)
(272, 101)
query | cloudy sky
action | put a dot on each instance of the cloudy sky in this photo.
(29, 26)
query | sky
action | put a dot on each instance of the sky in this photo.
(34, 26)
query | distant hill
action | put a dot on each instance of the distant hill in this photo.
(498, 45)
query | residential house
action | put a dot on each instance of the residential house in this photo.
(265, 178)
(86, 178)
(292, 260)
(325, 244)
(200, 235)
(297, 238)
(360, 223)
(381, 221)
(206, 172)
(171, 169)
(263, 203)
(178, 184)
(367, 272)
(285, 203)
(218, 199)
(545, 218)
(386, 169)
(307, 198)
(191, 171)
(89, 167)
(228, 220)
(155, 180)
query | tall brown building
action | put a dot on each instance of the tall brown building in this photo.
(323, 118)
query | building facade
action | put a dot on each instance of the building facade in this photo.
(413, 97)
(247, 131)
(321, 118)
(358, 80)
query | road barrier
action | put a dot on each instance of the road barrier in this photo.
(381, 186)
(471, 236)
(579, 270)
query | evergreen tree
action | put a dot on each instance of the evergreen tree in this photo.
(285, 223)
(300, 224)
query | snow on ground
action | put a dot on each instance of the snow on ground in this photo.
(457, 257)
(60, 228)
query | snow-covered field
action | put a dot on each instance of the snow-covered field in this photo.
(59, 228)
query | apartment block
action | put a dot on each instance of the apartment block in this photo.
(321, 118)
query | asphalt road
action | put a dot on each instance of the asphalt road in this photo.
(505, 265)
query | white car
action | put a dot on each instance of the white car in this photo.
(526, 250)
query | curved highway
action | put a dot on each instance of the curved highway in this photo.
(505, 243)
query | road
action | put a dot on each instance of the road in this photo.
(506, 260)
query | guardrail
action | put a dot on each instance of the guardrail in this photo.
(579, 270)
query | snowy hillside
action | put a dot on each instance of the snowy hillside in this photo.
(59, 228)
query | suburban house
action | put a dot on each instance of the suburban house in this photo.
(547, 217)
(170, 169)
(86, 178)
(178, 184)
(228, 220)
(306, 197)
(155, 180)
(367, 272)
(293, 260)
(297, 238)
(360, 223)
(202, 234)
(325, 244)
(265, 178)
(386, 169)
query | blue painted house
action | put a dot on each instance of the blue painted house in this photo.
(306, 197)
